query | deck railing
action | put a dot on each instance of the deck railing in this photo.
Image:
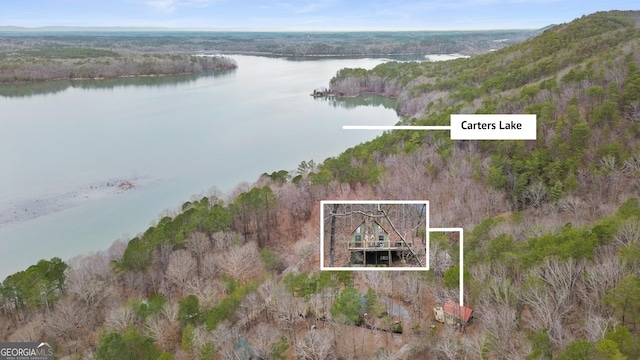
(386, 244)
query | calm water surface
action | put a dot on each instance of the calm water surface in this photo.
(177, 136)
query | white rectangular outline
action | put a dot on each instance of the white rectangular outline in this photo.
(364, 202)
(529, 131)
(528, 123)
(459, 231)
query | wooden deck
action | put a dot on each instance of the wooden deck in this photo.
(377, 245)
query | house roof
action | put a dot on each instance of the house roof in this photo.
(454, 309)
(375, 221)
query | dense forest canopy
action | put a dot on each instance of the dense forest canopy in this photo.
(268, 43)
(28, 55)
(552, 230)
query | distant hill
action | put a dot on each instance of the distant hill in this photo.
(80, 29)
(543, 29)
(276, 42)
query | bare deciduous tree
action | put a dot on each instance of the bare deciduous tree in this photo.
(181, 268)
(224, 333)
(411, 290)
(571, 204)
(373, 279)
(161, 256)
(616, 74)
(628, 233)
(252, 307)
(118, 319)
(86, 287)
(632, 112)
(305, 249)
(262, 337)
(545, 313)
(316, 345)
(116, 250)
(441, 295)
(561, 277)
(473, 345)
(268, 292)
(288, 310)
(161, 330)
(209, 266)
(596, 327)
(30, 331)
(599, 277)
(500, 323)
(66, 318)
(199, 244)
(201, 336)
(448, 346)
(535, 194)
(208, 292)
(439, 259)
(241, 262)
(170, 311)
(220, 241)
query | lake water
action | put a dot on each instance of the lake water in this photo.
(172, 137)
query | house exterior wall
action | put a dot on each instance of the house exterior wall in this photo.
(369, 235)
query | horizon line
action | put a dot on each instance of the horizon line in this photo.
(246, 29)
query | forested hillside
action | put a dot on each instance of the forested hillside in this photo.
(552, 231)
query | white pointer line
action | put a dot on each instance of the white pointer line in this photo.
(392, 127)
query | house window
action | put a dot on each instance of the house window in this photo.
(358, 240)
(380, 237)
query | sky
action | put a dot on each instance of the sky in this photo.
(324, 15)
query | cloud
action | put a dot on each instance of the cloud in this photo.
(170, 6)
(166, 6)
(433, 5)
(198, 3)
(299, 8)
(308, 8)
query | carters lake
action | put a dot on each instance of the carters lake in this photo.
(68, 150)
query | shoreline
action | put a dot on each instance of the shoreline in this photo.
(131, 76)
(127, 76)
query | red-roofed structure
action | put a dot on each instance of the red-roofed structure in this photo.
(461, 312)
(452, 313)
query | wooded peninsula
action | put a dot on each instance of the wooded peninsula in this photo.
(90, 63)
